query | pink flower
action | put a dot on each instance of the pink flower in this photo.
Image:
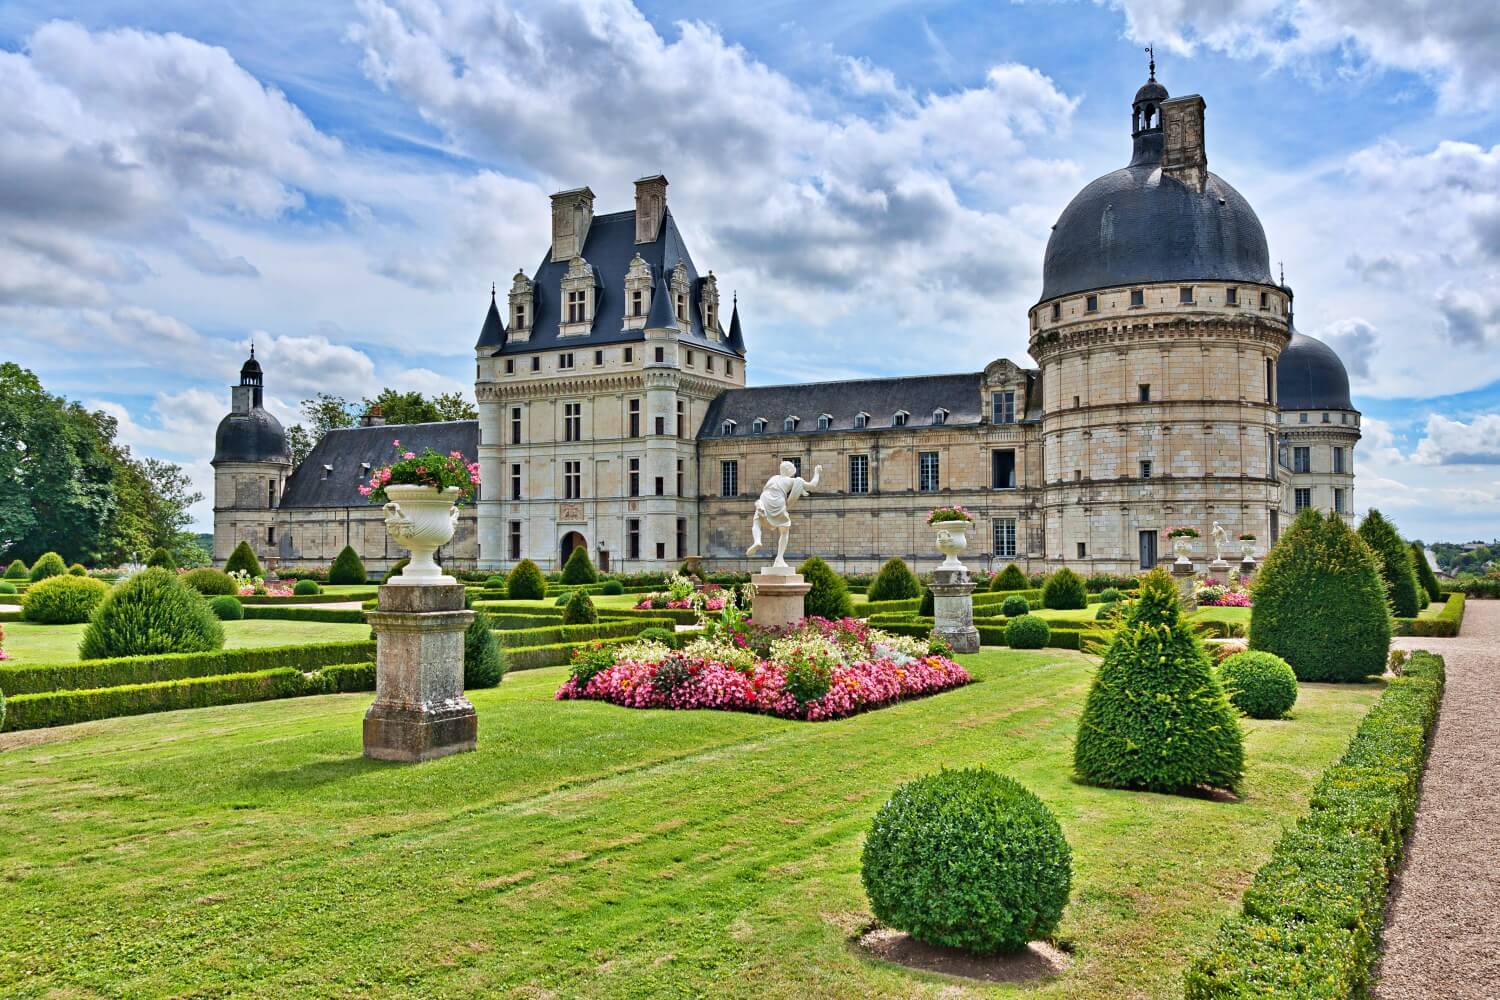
(396, 444)
(365, 491)
(410, 454)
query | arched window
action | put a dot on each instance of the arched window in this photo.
(825, 421)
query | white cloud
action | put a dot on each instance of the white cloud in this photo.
(314, 364)
(1453, 442)
(1354, 341)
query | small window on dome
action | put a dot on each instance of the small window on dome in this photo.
(1185, 295)
(1265, 300)
(1137, 296)
(1091, 304)
(1231, 296)
(1057, 310)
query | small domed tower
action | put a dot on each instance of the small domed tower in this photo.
(251, 464)
(1319, 426)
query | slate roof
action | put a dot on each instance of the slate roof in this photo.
(1310, 376)
(879, 397)
(492, 334)
(255, 436)
(353, 451)
(609, 249)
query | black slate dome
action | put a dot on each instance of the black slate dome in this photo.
(1310, 376)
(251, 437)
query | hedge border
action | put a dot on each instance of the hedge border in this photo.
(1447, 623)
(1310, 922)
(357, 595)
(552, 635)
(352, 616)
(550, 655)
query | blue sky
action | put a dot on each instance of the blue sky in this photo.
(342, 182)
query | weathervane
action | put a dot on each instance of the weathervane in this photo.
(1151, 51)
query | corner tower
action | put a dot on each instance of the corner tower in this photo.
(251, 464)
(1158, 332)
(1319, 426)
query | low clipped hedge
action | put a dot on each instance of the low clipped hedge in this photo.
(341, 678)
(550, 655)
(325, 598)
(86, 674)
(349, 615)
(546, 636)
(1309, 924)
(62, 708)
(996, 635)
(1445, 624)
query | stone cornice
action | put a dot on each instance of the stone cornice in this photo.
(1051, 417)
(1173, 331)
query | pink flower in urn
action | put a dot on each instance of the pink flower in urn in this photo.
(365, 491)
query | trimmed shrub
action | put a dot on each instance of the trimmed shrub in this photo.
(395, 570)
(1109, 595)
(661, 635)
(1010, 578)
(243, 559)
(1109, 611)
(78, 569)
(894, 582)
(6, 587)
(226, 609)
(612, 587)
(1156, 717)
(305, 588)
(829, 596)
(1064, 591)
(1261, 685)
(17, 571)
(579, 568)
(210, 582)
(967, 859)
(152, 612)
(1028, 632)
(928, 605)
(580, 610)
(1425, 576)
(342, 678)
(62, 708)
(1447, 622)
(48, 564)
(1394, 558)
(525, 582)
(1015, 607)
(483, 666)
(347, 568)
(1320, 603)
(495, 581)
(63, 600)
(160, 558)
(563, 599)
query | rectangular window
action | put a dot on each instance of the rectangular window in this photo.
(633, 408)
(729, 479)
(1003, 407)
(1275, 526)
(1145, 468)
(565, 361)
(1143, 392)
(1327, 418)
(1338, 460)
(728, 367)
(682, 418)
(1301, 418)
(1003, 469)
(1265, 300)
(661, 426)
(572, 421)
(515, 539)
(536, 362)
(1338, 501)
(629, 355)
(635, 477)
(682, 538)
(576, 306)
(1270, 381)
(708, 362)
(1083, 550)
(520, 316)
(1137, 296)
(661, 355)
(271, 534)
(927, 471)
(1056, 311)
(1185, 295)
(633, 538)
(1077, 402)
(1147, 544)
(515, 481)
(1231, 296)
(796, 464)
(1091, 303)
(572, 480)
(510, 366)
(1301, 498)
(661, 550)
(637, 302)
(680, 490)
(661, 486)
(1005, 538)
(859, 473)
(682, 308)
(515, 425)
(271, 490)
(1301, 459)
(1270, 456)
(689, 360)
(598, 358)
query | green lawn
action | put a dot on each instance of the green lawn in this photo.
(585, 850)
(26, 643)
(1240, 615)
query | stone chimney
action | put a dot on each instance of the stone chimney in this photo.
(374, 416)
(572, 213)
(1183, 156)
(650, 207)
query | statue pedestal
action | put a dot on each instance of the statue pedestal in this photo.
(1247, 566)
(420, 711)
(1218, 572)
(1184, 576)
(778, 597)
(953, 610)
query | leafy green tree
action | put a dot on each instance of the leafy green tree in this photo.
(1425, 576)
(347, 568)
(829, 596)
(415, 408)
(894, 582)
(579, 569)
(1396, 567)
(243, 558)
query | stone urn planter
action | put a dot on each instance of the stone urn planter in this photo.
(1183, 546)
(421, 519)
(952, 539)
(1247, 548)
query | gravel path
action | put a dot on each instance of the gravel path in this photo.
(1442, 931)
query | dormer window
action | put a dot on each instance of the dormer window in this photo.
(708, 305)
(939, 416)
(522, 295)
(579, 295)
(825, 421)
(327, 471)
(519, 319)
(637, 293)
(861, 420)
(727, 428)
(637, 303)
(758, 426)
(900, 419)
(682, 313)
(576, 304)
(790, 424)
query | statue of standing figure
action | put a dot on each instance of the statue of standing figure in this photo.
(773, 507)
(1221, 539)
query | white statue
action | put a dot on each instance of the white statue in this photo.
(1221, 539)
(772, 508)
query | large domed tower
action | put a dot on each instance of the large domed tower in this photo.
(1319, 426)
(251, 463)
(1158, 333)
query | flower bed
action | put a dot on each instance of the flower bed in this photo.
(815, 670)
(1217, 595)
(684, 595)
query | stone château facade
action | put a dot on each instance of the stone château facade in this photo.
(1170, 388)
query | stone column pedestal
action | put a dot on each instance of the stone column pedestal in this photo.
(1185, 577)
(1218, 572)
(778, 597)
(953, 610)
(420, 711)
(1247, 566)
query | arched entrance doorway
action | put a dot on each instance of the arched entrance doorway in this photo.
(572, 540)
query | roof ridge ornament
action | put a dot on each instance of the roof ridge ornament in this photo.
(1151, 51)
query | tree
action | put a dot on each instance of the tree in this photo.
(1396, 567)
(415, 408)
(894, 582)
(323, 413)
(1425, 576)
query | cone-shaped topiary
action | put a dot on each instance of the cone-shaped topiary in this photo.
(1259, 684)
(210, 582)
(48, 564)
(160, 558)
(395, 570)
(928, 607)
(483, 665)
(1425, 576)
(62, 600)
(579, 569)
(1156, 717)
(152, 612)
(347, 569)
(580, 610)
(243, 559)
(1320, 604)
(525, 582)
(78, 569)
(1028, 632)
(1396, 568)
(1010, 578)
(894, 582)
(17, 570)
(1015, 606)
(1064, 591)
(968, 859)
(226, 609)
(829, 596)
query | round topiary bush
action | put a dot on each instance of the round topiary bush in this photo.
(1394, 558)
(160, 558)
(395, 570)
(210, 582)
(661, 635)
(347, 569)
(1109, 611)
(1261, 685)
(1015, 606)
(829, 596)
(1028, 632)
(1156, 717)
(495, 581)
(1109, 595)
(1009, 578)
(78, 569)
(612, 588)
(1064, 591)
(1425, 576)
(226, 609)
(894, 582)
(48, 564)
(1320, 603)
(62, 600)
(152, 612)
(580, 610)
(525, 582)
(306, 588)
(483, 664)
(967, 859)
(579, 569)
(243, 559)
(17, 571)
(6, 587)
